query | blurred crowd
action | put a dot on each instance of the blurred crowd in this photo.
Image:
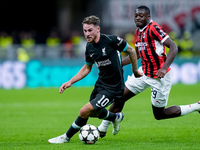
(25, 45)
(185, 44)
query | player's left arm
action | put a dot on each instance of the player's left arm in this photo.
(133, 60)
(83, 72)
(173, 49)
(127, 60)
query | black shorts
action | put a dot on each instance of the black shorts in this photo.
(100, 99)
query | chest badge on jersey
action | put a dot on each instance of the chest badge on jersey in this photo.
(104, 51)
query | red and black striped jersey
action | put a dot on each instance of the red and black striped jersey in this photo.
(149, 41)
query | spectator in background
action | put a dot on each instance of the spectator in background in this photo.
(130, 38)
(27, 40)
(175, 39)
(53, 43)
(27, 44)
(186, 45)
(5, 40)
(53, 40)
(68, 49)
(22, 55)
(78, 42)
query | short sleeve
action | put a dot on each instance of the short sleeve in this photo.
(88, 58)
(119, 43)
(159, 33)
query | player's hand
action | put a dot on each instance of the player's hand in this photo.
(64, 86)
(138, 74)
(161, 73)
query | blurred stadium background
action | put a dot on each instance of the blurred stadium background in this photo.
(42, 44)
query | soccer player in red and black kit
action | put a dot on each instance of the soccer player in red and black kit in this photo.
(151, 40)
(104, 50)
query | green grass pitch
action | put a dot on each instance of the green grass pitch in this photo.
(29, 117)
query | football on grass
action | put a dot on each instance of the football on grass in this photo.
(89, 134)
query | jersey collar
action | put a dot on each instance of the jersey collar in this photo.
(145, 26)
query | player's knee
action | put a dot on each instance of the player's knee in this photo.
(158, 117)
(85, 112)
(82, 112)
(158, 113)
(118, 104)
(170, 112)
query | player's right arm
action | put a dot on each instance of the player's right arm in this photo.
(83, 72)
(133, 59)
(127, 59)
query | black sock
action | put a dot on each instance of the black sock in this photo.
(107, 115)
(76, 125)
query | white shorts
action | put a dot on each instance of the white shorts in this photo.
(160, 88)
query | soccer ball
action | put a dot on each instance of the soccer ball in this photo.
(89, 134)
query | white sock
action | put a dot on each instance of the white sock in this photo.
(117, 117)
(186, 109)
(103, 127)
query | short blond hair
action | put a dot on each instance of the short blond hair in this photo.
(91, 20)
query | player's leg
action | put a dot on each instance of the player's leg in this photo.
(175, 111)
(85, 112)
(94, 108)
(80, 121)
(116, 107)
(186, 109)
(133, 86)
(159, 97)
(164, 113)
(118, 104)
(99, 103)
(160, 89)
(74, 128)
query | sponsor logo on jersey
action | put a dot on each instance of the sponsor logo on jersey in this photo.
(141, 45)
(103, 63)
